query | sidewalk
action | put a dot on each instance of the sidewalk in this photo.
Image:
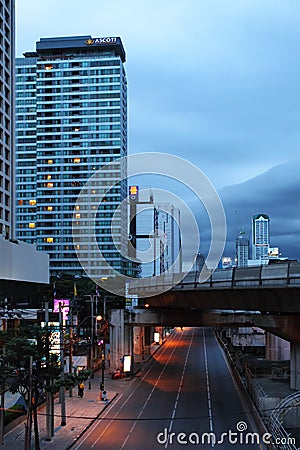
(80, 413)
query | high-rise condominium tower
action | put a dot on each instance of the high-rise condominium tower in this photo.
(242, 250)
(23, 271)
(71, 116)
(7, 31)
(260, 236)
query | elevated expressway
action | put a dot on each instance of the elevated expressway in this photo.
(265, 296)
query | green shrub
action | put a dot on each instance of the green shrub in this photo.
(13, 412)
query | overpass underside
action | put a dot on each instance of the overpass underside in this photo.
(285, 326)
(267, 300)
(272, 292)
(278, 308)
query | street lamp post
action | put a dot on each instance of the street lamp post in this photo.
(104, 319)
(92, 335)
(94, 319)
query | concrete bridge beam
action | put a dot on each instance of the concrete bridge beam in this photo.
(295, 366)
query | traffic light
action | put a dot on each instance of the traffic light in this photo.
(133, 194)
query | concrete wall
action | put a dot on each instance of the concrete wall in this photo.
(277, 349)
(22, 262)
(295, 367)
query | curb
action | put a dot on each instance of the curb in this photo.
(91, 423)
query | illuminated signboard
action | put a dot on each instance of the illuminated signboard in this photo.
(273, 252)
(226, 262)
(99, 41)
(65, 306)
(156, 338)
(54, 337)
(133, 194)
(127, 361)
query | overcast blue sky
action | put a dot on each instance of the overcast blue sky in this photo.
(213, 81)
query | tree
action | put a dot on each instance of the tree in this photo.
(33, 366)
(30, 367)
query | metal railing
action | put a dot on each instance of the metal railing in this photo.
(275, 275)
(279, 433)
(256, 391)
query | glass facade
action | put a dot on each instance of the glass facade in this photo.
(71, 116)
(158, 234)
(6, 118)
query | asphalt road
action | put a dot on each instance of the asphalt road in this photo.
(184, 398)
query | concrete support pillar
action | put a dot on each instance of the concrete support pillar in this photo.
(147, 340)
(277, 349)
(138, 341)
(117, 338)
(295, 366)
(141, 340)
(121, 338)
(128, 342)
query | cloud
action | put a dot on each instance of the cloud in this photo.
(276, 193)
(211, 81)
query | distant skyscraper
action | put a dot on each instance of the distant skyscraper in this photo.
(71, 115)
(260, 236)
(242, 250)
(7, 40)
(169, 223)
(158, 227)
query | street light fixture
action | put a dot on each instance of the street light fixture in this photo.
(94, 331)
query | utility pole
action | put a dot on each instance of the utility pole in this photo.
(105, 327)
(28, 426)
(92, 335)
(62, 372)
(71, 346)
(104, 342)
(49, 412)
(2, 406)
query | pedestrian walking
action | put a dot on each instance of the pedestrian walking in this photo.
(81, 389)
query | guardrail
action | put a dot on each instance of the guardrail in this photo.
(274, 275)
(256, 391)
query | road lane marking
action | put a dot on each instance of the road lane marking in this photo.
(210, 415)
(159, 353)
(149, 396)
(180, 387)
